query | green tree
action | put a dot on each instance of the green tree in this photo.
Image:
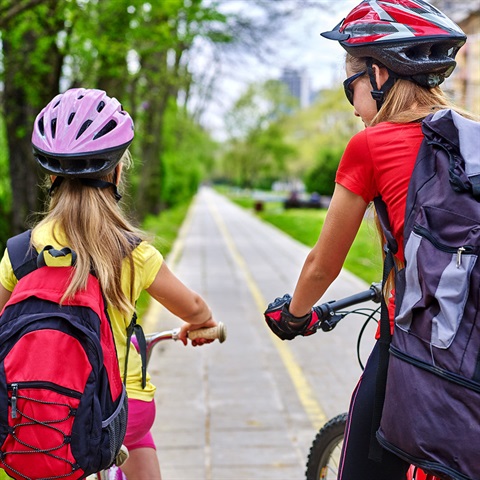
(321, 178)
(187, 156)
(32, 62)
(328, 122)
(258, 149)
(139, 52)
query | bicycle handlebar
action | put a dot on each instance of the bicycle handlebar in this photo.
(211, 333)
(328, 313)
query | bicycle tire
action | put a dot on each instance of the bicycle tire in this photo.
(324, 457)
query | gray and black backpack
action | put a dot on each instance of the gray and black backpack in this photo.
(431, 404)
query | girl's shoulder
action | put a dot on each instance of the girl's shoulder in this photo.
(145, 251)
(387, 133)
(393, 128)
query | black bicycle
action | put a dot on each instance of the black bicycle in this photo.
(324, 457)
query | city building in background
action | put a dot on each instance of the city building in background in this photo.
(298, 83)
(464, 84)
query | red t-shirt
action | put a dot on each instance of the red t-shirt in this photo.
(379, 161)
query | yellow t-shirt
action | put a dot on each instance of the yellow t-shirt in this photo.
(147, 262)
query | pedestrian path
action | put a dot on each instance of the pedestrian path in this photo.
(249, 408)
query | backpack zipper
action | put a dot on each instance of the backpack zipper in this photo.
(14, 387)
(423, 232)
(440, 372)
(14, 399)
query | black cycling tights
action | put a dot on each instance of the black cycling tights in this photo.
(355, 464)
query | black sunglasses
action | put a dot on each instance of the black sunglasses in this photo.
(347, 85)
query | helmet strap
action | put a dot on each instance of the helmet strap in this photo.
(88, 182)
(55, 184)
(97, 183)
(379, 94)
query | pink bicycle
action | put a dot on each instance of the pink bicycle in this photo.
(219, 332)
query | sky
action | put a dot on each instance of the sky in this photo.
(298, 46)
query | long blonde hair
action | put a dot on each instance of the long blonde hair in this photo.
(100, 234)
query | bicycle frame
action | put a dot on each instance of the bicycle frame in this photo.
(330, 314)
(219, 332)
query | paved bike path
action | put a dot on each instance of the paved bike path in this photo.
(249, 408)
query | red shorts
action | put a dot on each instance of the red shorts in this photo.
(141, 416)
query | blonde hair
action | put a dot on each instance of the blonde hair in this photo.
(100, 234)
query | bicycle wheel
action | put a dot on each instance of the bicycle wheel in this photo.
(324, 457)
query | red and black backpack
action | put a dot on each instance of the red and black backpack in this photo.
(63, 406)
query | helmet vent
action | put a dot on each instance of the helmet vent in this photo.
(100, 106)
(54, 127)
(41, 127)
(70, 118)
(85, 125)
(107, 128)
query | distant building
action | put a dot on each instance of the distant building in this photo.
(466, 78)
(457, 10)
(298, 84)
(464, 84)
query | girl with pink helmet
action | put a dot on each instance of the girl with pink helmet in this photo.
(80, 139)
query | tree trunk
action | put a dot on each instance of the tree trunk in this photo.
(29, 84)
(149, 194)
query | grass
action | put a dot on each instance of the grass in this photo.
(364, 258)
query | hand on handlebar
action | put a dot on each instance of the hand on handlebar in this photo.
(285, 325)
(188, 327)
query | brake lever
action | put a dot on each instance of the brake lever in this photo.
(330, 323)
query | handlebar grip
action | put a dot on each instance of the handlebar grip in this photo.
(373, 293)
(212, 333)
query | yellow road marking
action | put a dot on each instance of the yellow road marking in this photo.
(304, 391)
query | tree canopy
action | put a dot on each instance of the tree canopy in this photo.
(139, 52)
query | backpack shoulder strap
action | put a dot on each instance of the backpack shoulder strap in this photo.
(23, 256)
(390, 248)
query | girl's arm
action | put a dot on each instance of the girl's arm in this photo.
(324, 262)
(182, 302)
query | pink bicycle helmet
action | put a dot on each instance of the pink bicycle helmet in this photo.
(81, 133)
(410, 37)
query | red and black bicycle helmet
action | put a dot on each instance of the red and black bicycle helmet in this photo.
(411, 38)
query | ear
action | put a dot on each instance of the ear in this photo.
(381, 75)
(118, 173)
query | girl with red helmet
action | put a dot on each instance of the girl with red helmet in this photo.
(81, 139)
(398, 53)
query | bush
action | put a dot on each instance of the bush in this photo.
(321, 178)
